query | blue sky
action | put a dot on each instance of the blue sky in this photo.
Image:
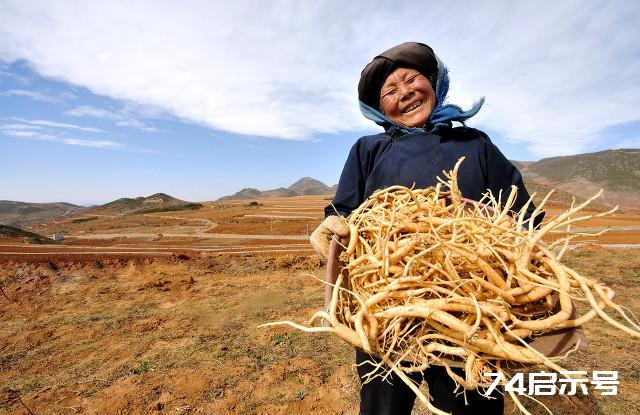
(101, 100)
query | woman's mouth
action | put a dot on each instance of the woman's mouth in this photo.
(412, 107)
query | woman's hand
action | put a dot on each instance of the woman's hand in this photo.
(321, 237)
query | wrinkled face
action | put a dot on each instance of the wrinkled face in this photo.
(407, 98)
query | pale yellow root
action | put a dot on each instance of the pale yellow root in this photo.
(434, 278)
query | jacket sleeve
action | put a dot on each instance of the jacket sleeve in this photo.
(351, 187)
(501, 174)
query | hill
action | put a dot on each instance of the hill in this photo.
(579, 176)
(34, 238)
(559, 198)
(304, 187)
(158, 202)
(24, 213)
(309, 186)
(616, 171)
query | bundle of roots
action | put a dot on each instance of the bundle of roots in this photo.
(431, 278)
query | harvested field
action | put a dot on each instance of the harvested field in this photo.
(170, 335)
(167, 324)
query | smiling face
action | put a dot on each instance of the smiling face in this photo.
(407, 98)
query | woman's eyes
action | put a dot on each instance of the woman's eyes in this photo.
(389, 92)
(393, 91)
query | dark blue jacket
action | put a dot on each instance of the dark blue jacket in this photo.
(397, 158)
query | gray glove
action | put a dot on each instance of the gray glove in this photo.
(321, 237)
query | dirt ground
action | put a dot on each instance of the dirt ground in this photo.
(168, 325)
(174, 335)
(151, 335)
(276, 216)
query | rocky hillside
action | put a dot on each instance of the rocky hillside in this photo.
(158, 202)
(615, 171)
(24, 213)
(30, 237)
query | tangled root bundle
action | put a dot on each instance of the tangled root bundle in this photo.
(432, 278)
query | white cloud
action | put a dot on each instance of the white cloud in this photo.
(56, 124)
(133, 123)
(46, 130)
(34, 95)
(29, 134)
(5, 74)
(64, 140)
(124, 118)
(555, 74)
(20, 127)
(87, 110)
(91, 143)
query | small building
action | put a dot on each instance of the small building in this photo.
(57, 237)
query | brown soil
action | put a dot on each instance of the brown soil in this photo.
(170, 326)
(174, 335)
(214, 217)
(178, 335)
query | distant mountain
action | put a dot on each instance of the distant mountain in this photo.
(615, 171)
(279, 192)
(24, 213)
(13, 232)
(247, 193)
(303, 187)
(309, 186)
(158, 202)
(251, 193)
(521, 164)
(579, 176)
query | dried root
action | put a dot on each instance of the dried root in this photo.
(437, 279)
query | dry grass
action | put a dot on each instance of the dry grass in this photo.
(132, 336)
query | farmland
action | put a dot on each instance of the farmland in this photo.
(157, 312)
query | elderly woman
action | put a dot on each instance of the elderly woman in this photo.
(404, 90)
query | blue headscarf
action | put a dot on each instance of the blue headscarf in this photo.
(443, 113)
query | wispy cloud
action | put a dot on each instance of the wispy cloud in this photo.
(26, 133)
(56, 124)
(38, 96)
(87, 110)
(91, 143)
(64, 140)
(5, 75)
(65, 125)
(555, 75)
(34, 95)
(123, 118)
(20, 127)
(133, 123)
(47, 130)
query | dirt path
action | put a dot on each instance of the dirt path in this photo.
(188, 235)
(282, 216)
(608, 228)
(55, 250)
(206, 224)
(156, 253)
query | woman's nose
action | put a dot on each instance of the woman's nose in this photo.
(405, 91)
